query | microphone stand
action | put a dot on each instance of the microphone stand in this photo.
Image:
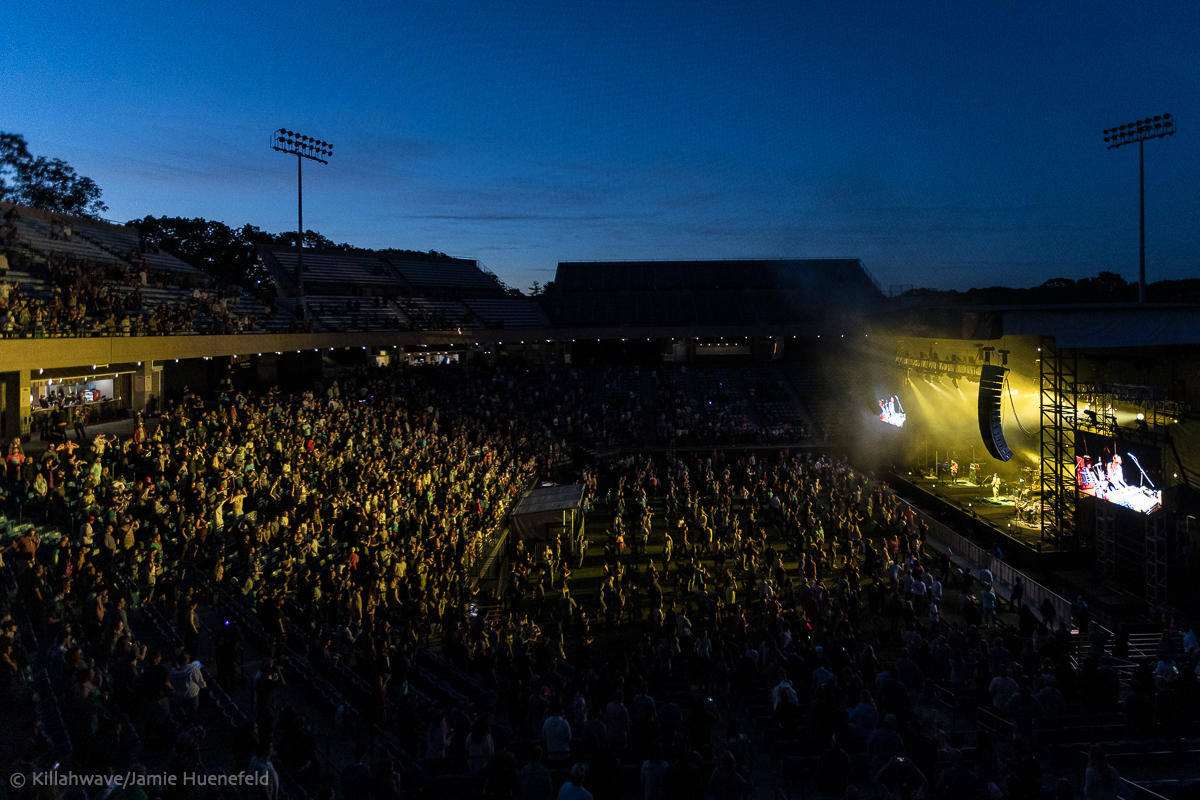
(1139, 466)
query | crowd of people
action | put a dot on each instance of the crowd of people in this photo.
(775, 409)
(717, 415)
(715, 596)
(252, 491)
(89, 298)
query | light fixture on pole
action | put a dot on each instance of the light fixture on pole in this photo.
(1140, 131)
(292, 143)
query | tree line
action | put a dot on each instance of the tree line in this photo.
(230, 254)
(1107, 287)
(225, 252)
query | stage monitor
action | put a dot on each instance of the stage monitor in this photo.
(1125, 473)
(891, 412)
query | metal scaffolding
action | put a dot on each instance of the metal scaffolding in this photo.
(1156, 562)
(1106, 541)
(1058, 402)
(1099, 413)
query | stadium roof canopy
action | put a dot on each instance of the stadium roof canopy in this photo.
(622, 293)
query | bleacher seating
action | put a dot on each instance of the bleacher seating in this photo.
(323, 268)
(32, 285)
(826, 411)
(357, 313)
(508, 313)
(460, 275)
(280, 321)
(773, 399)
(120, 244)
(341, 288)
(35, 232)
(436, 314)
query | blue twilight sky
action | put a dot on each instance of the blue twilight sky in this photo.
(946, 144)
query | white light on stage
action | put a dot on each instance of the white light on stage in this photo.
(892, 412)
(1111, 476)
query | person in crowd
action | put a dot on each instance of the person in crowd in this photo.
(572, 788)
(480, 746)
(556, 733)
(1101, 780)
(187, 681)
(534, 779)
(726, 783)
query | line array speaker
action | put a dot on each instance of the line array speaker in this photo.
(991, 384)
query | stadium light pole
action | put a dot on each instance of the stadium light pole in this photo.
(1140, 131)
(292, 143)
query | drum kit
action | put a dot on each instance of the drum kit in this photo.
(1031, 509)
(1027, 501)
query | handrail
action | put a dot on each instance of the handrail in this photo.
(1003, 574)
(1140, 788)
(1151, 753)
(1133, 785)
(987, 712)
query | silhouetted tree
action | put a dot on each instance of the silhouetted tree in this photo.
(13, 152)
(230, 254)
(1107, 287)
(223, 252)
(50, 184)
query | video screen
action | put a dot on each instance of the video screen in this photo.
(891, 412)
(1122, 472)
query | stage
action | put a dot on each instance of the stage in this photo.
(1010, 522)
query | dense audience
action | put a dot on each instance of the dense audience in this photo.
(778, 594)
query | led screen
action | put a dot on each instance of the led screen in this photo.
(1125, 473)
(891, 412)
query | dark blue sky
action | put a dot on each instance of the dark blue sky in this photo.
(946, 144)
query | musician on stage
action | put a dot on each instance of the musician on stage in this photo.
(954, 472)
(1116, 474)
(996, 486)
(1083, 472)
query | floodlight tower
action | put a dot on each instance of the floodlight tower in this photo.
(292, 143)
(1140, 131)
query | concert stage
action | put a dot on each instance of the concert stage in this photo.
(1012, 523)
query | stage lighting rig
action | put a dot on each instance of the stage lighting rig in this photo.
(292, 143)
(1156, 127)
